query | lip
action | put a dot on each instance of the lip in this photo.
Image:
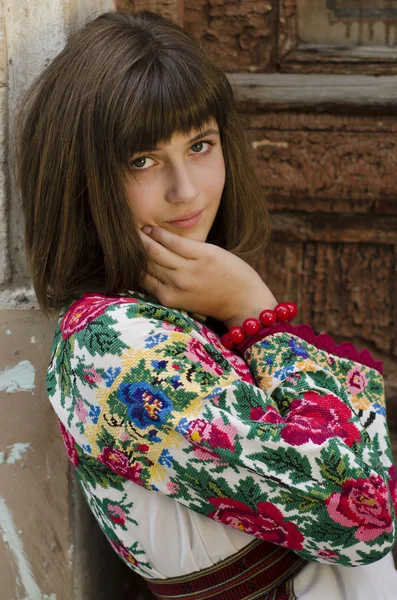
(188, 220)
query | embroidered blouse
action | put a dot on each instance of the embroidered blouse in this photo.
(186, 451)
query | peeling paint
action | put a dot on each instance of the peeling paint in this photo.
(16, 452)
(12, 540)
(265, 142)
(18, 379)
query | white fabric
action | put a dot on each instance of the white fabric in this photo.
(190, 542)
(377, 581)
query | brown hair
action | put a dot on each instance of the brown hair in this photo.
(122, 84)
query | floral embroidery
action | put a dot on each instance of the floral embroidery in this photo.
(267, 517)
(318, 417)
(69, 445)
(146, 406)
(364, 502)
(85, 310)
(356, 380)
(119, 462)
(272, 444)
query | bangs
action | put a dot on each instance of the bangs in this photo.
(166, 96)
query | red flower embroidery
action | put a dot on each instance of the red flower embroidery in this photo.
(316, 417)
(328, 555)
(117, 514)
(69, 443)
(235, 360)
(125, 553)
(87, 308)
(196, 353)
(392, 483)
(363, 503)
(266, 522)
(120, 464)
(216, 434)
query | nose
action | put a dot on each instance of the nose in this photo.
(182, 189)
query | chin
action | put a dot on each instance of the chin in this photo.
(197, 236)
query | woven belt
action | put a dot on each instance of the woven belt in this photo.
(260, 570)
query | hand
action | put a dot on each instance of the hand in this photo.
(203, 278)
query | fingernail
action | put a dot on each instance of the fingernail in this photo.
(147, 230)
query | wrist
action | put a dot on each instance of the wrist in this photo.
(251, 309)
(250, 326)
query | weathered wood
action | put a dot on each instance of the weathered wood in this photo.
(171, 9)
(313, 121)
(287, 28)
(325, 171)
(238, 36)
(327, 93)
(327, 59)
(339, 289)
(343, 287)
(334, 228)
(338, 53)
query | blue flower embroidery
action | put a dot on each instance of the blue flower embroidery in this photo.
(94, 413)
(153, 437)
(297, 348)
(284, 372)
(381, 410)
(155, 340)
(215, 392)
(182, 426)
(146, 405)
(165, 458)
(159, 364)
(176, 382)
(86, 447)
(111, 375)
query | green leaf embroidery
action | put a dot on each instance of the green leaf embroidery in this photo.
(285, 460)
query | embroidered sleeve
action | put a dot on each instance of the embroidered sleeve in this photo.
(288, 461)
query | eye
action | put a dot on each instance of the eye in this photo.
(141, 163)
(198, 147)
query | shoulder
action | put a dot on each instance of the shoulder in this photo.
(94, 311)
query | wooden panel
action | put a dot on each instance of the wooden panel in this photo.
(331, 93)
(323, 227)
(287, 28)
(238, 36)
(346, 290)
(171, 9)
(322, 171)
(321, 37)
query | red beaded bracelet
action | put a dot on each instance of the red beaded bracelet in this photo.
(282, 312)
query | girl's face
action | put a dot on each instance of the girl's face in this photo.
(178, 186)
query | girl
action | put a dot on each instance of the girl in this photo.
(221, 453)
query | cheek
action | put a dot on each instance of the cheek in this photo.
(214, 181)
(141, 199)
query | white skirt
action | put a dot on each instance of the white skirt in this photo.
(377, 581)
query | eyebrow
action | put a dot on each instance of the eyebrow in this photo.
(210, 131)
(199, 136)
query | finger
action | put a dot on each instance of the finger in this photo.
(152, 285)
(161, 273)
(159, 253)
(177, 244)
